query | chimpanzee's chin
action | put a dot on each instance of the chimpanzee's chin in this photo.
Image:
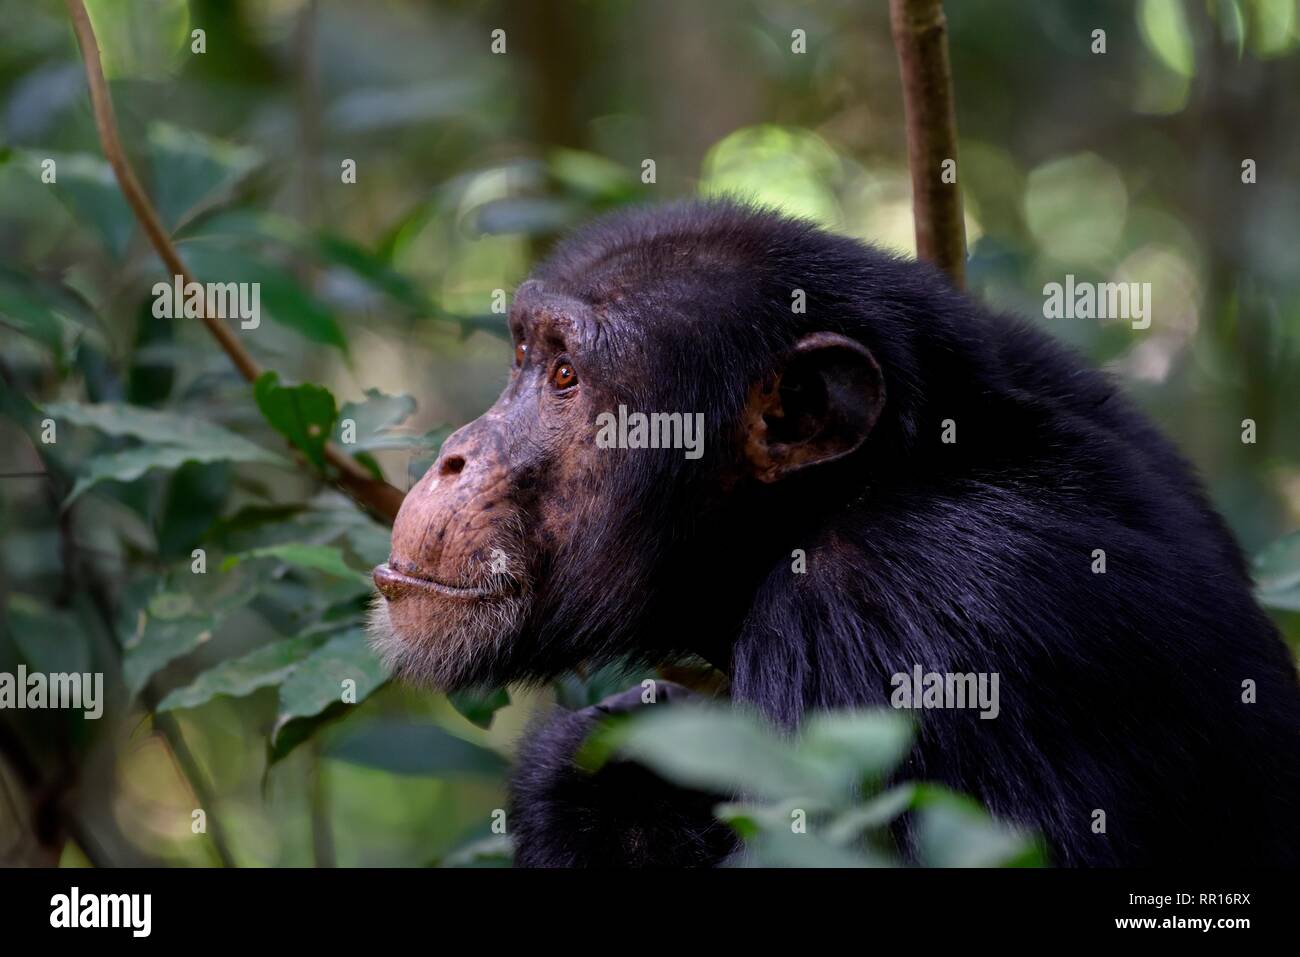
(443, 644)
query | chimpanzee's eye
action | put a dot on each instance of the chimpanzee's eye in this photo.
(521, 349)
(564, 375)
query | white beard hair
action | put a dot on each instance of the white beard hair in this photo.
(442, 657)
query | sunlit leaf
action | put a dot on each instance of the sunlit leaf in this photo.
(792, 169)
(1164, 27)
(143, 39)
(591, 175)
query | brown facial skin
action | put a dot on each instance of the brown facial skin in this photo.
(526, 549)
(476, 532)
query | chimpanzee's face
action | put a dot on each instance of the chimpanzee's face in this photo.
(530, 547)
(514, 495)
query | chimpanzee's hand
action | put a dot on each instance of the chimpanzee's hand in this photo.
(621, 815)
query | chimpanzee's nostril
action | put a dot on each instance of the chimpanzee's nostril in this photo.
(452, 465)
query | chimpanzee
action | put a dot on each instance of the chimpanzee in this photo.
(891, 476)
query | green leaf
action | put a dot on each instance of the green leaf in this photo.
(1277, 574)
(159, 641)
(163, 428)
(719, 749)
(140, 40)
(131, 464)
(373, 421)
(749, 819)
(304, 414)
(876, 813)
(369, 541)
(592, 176)
(401, 747)
(85, 184)
(321, 558)
(165, 619)
(196, 495)
(172, 440)
(782, 847)
(268, 665)
(1166, 31)
(23, 308)
(575, 692)
(48, 639)
(952, 830)
(41, 311)
(479, 707)
(856, 746)
(318, 681)
(422, 441)
(192, 171)
(281, 296)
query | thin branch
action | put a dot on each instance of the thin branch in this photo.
(322, 828)
(921, 39)
(378, 497)
(193, 775)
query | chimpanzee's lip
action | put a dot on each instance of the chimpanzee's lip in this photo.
(393, 584)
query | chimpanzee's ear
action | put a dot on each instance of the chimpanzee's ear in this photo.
(818, 407)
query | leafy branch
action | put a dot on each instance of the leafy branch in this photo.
(375, 495)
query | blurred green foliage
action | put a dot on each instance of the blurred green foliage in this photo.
(224, 685)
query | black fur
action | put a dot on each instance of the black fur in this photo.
(1119, 691)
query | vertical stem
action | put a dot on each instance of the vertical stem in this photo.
(322, 833)
(167, 726)
(921, 39)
